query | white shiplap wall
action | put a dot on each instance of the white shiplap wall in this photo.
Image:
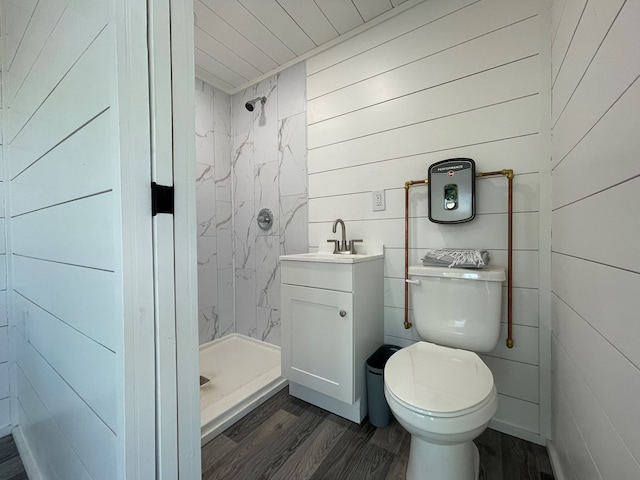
(5, 410)
(444, 79)
(62, 154)
(596, 225)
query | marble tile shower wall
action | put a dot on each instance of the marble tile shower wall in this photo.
(264, 167)
(213, 212)
(269, 170)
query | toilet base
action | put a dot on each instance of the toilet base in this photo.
(443, 462)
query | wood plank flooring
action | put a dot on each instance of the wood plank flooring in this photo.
(11, 467)
(287, 439)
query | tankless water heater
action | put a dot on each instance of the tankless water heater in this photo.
(452, 185)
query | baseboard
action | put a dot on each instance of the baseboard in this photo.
(554, 457)
(518, 432)
(26, 455)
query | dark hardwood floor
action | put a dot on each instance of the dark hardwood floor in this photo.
(11, 467)
(287, 439)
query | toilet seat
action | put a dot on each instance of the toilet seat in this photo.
(438, 381)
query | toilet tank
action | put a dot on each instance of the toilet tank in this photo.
(457, 307)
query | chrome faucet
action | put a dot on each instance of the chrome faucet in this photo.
(343, 244)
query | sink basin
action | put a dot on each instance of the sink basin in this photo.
(324, 256)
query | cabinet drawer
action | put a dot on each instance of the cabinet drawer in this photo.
(319, 275)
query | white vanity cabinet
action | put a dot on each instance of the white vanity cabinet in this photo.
(332, 321)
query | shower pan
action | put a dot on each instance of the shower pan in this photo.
(243, 373)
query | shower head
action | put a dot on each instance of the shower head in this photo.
(251, 104)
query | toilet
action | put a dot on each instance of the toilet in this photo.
(439, 389)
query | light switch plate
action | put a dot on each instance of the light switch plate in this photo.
(378, 200)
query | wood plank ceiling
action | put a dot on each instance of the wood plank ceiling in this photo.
(240, 42)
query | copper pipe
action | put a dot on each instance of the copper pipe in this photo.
(407, 323)
(505, 172)
(490, 174)
(510, 264)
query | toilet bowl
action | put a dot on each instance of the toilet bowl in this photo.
(444, 397)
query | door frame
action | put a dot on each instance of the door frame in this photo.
(185, 241)
(172, 79)
(138, 451)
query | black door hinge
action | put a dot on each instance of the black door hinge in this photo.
(161, 199)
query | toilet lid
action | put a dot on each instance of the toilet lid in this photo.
(436, 379)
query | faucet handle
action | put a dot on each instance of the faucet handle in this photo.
(336, 245)
(352, 246)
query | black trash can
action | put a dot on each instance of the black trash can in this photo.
(379, 411)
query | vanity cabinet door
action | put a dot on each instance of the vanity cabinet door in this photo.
(317, 340)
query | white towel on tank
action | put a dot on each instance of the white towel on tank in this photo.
(454, 257)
